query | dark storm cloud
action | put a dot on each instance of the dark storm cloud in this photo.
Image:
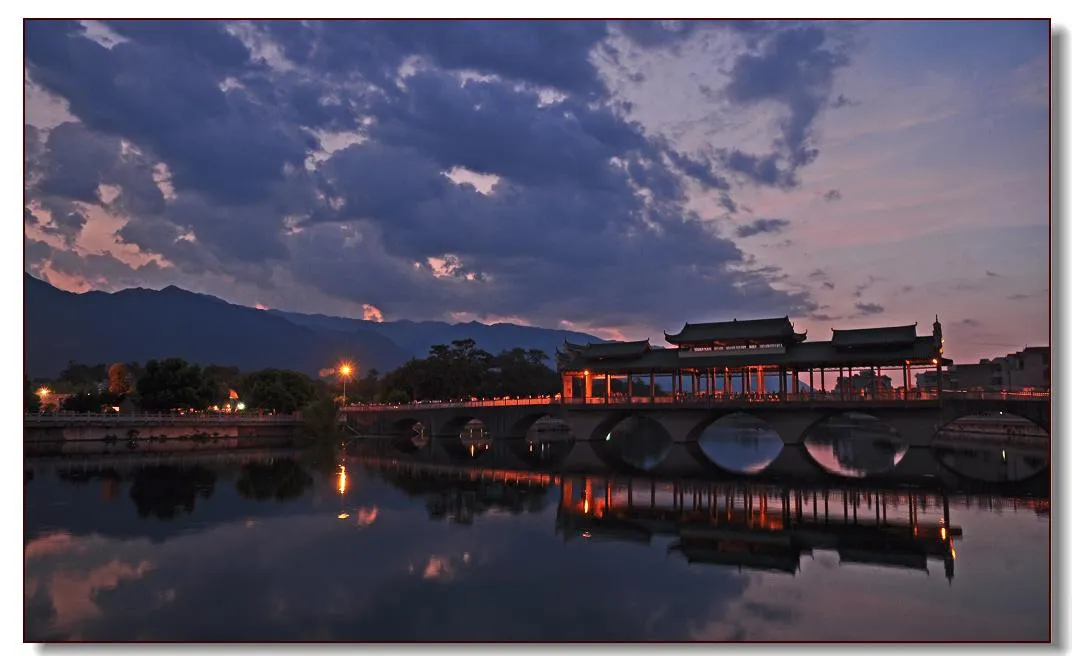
(67, 220)
(36, 252)
(866, 309)
(832, 195)
(225, 144)
(760, 226)
(551, 53)
(795, 68)
(587, 201)
(489, 127)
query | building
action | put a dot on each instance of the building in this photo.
(928, 380)
(1024, 370)
(731, 358)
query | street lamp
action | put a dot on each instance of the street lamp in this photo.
(345, 369)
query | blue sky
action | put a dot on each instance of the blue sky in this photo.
(620, 178)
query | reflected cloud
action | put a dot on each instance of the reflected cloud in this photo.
(72, 595)
(50, 545)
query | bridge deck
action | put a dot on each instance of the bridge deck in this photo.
(915, 398)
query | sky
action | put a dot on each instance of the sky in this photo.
(618, 177)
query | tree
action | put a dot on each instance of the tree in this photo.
(91, 401)
(277, 389)
(170, 384)
(79, 378)
(120, 382)
(30, 401)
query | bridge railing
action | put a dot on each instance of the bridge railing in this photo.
(997, 395)
(66, 418)
(712, 399)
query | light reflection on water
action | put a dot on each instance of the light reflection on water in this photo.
(740, 443)
(277, 549)
(855, 445)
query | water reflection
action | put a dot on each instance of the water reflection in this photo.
(854, 445)
(740, 443)
(993, 448)
(637, 441)
(427, 547)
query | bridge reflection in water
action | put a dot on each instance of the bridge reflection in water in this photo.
(763, 527)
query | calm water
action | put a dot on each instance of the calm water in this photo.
(267, 547)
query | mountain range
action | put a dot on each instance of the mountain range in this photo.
(135, 325)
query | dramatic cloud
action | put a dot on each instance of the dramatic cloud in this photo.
(794, 68)
(832, 195)
(421, 169)
(971, 323)
(760, 226)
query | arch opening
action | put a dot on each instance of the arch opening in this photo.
(409, 434)
(635, 441)
(474, 438)
(854, 445)
(993, 447)
(544, 440)
(740, 443)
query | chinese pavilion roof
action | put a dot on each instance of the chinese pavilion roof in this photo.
(609, 350)
(778, 330)
(874, 337)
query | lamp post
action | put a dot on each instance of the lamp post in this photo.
(345, 369)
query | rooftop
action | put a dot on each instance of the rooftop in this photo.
(874, 337)
(749, 330)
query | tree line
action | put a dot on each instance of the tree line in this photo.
(459, 370)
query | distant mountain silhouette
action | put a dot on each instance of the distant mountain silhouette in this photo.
(142, 324)
(419, 336)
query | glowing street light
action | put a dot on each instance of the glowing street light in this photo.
(344, 371)
(43, 393)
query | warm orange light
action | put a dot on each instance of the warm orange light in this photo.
(43, 392)
(934, 361)
(342, 479)
(585, 372)
(586, 505)
(942, 532)
(345, 369)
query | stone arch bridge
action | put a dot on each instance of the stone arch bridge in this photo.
(916, 421)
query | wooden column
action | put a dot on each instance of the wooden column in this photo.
(811, 380)
(841, 382)
(822, 378)
(587, 386)
(651, 386)
(875, 383)
(567, 386)
(726, 382)
(761, 380)
(629, 386)
(606, 390)
(796, 382)
(781, 382)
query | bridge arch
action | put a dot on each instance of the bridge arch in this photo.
(989, 448)
(631, 440)
(1035, 411)
(735, 442)
(860, 445)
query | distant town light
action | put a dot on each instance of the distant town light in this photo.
(43, 392)
(934, 360)
(240, 406)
